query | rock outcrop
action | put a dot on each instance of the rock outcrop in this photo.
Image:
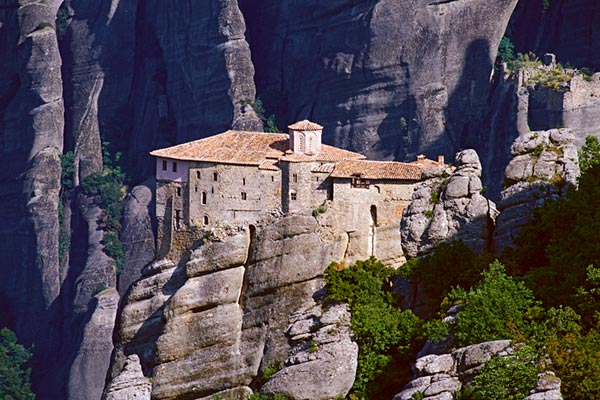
(321, 341)
(130, 384)
(544, 165)
(441, 377)
(193, 74)
(137, 234)
(242, 290)
(333, 63)
(88, 372)
(31, 128)
(449, 206)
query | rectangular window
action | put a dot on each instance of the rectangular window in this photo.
(243, 195)
(244, 181)
(198, 174)
(272, 178)
(293, 196)
(164, 165)
(174, 166)
(196, 188)
(215, 176)
(295, 178)
(178, 192)
(360, 183)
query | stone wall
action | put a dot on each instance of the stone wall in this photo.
(225, 203)
(311, 189)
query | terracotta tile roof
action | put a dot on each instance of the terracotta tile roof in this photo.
(378, 170)
(269, 165)
(250, 148)
(323, 168)
(327, 154)
(305, 125)
(231, 147)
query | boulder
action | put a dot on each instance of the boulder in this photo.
(544, 165)
(449, 208)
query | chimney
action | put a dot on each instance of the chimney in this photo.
(441, 160)
(420, 158)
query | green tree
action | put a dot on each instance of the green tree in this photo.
(14, 374)
(506, 50)
(589, 155)
(504, 378)
(496, 308)
(387, 336)
(67, 163)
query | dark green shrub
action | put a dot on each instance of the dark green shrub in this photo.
(114, 249)
(14, 373)
(386, 335)
(504, 378)
(496, 308)
(270, 370)
(506, 50)
(589, 155)
(67, 163)
(451, 264)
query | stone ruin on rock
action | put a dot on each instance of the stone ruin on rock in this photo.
(237, 178)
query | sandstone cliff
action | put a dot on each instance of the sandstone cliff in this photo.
(243, 291)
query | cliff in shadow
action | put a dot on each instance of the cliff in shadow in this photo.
(385, 78)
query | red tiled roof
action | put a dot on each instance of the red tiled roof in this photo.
(323, 168)
(327, 154)
(269, 165)
(249, 148)
(231, 147)
(305, 125)
(378, 170)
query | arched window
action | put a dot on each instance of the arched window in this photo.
(311, 143)
(205, 220)
(203, 197)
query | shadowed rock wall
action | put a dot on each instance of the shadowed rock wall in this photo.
(386, 78)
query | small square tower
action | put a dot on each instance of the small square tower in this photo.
(305, 137)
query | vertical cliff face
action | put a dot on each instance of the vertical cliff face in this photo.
(192, 73)
(223, 315)
(386, 78)
(129, 77)
(31, 129)
(568, 28)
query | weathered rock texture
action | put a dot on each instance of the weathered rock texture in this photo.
(242, 291)
(130, 384)
(544, 165)
(441, 377)
(193, 71)
(449, 206)
(88, 372)
(31, 128)
(137, 234)
(321, 341)
(384, 77)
